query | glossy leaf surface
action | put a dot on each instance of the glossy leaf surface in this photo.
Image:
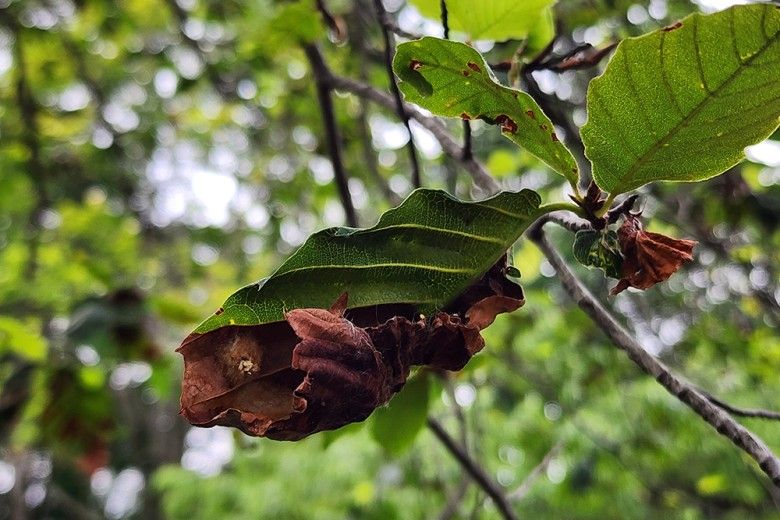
(452, 79)
(682, 103)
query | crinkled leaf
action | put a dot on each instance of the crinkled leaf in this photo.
(600, 249)
(648, 258)
(681, 103)
(492, 19)
(452, 79)
(396, 426)
(424, 252)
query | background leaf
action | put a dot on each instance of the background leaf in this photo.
(423, 252)
(452, 79)
(681, 103)
(493, 19)
(396, 425)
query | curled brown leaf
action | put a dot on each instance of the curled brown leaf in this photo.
(648, 258)
(321, 369)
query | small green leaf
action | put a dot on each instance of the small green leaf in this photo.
(396, 425)
(452, 79)
(424, 252)
(682, 103)
(598, 249)
(493, 19)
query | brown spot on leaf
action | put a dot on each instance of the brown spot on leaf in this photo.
(473, 66)
(543, 127)
(415, 64)
(219, 311)
(506, 123)
(320, 369)
(466, 73)
(648, 258)
(672, 27)
(531, 114)
(465, 116)
(554, 137)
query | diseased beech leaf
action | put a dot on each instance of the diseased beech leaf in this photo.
(493, 19)
(424, 252)
(280, 359)
(648, 258)
(682, 103)
(396, 426)
(322, 369)
(452, 79)
(596, 248)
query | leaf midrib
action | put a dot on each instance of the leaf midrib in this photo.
(646, 156)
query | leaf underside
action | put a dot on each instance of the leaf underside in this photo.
(682, 103)
(452, 79)
(490, 19)
(424, 252)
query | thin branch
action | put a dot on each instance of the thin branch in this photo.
(368, 152)
(37, 170)
(756, 413)
(399, 102)
(321, 80)
(689, 395)
(525, 486)
(445, 24)
(455, 499)
(566, 220)
(481, 177)
(473, 469)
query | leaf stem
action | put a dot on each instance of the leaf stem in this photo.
(559, 206)
(607, 204)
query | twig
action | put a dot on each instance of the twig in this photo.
(473, 469)
(566, 220)
(37, 170)
(454, 500)
(690, 396)
(481, 177)
(756, 413)
(525, 486)
(321, 80)
(621, 209)
(369, 155)
(445, 24)
(399, 102)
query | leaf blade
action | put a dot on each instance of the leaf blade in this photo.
(423, 252)
(672, 105)
(452, 79)
(491, 19)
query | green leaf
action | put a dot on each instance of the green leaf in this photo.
(681, 103)
(16, 337)
(396, 425)
(492, 19)
(598, 249)
(452, 79)
(424, 252)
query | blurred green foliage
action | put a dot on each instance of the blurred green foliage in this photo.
(156, 155)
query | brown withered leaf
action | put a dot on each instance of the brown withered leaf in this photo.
(648, 258)
(321, 369)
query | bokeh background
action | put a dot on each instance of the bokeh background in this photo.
(156, 155)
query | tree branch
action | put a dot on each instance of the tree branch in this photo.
(473, 469)
(321, 80)
(399, 102)
(690, 396)
(755, 413)
(525, 486)
(479, 175)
